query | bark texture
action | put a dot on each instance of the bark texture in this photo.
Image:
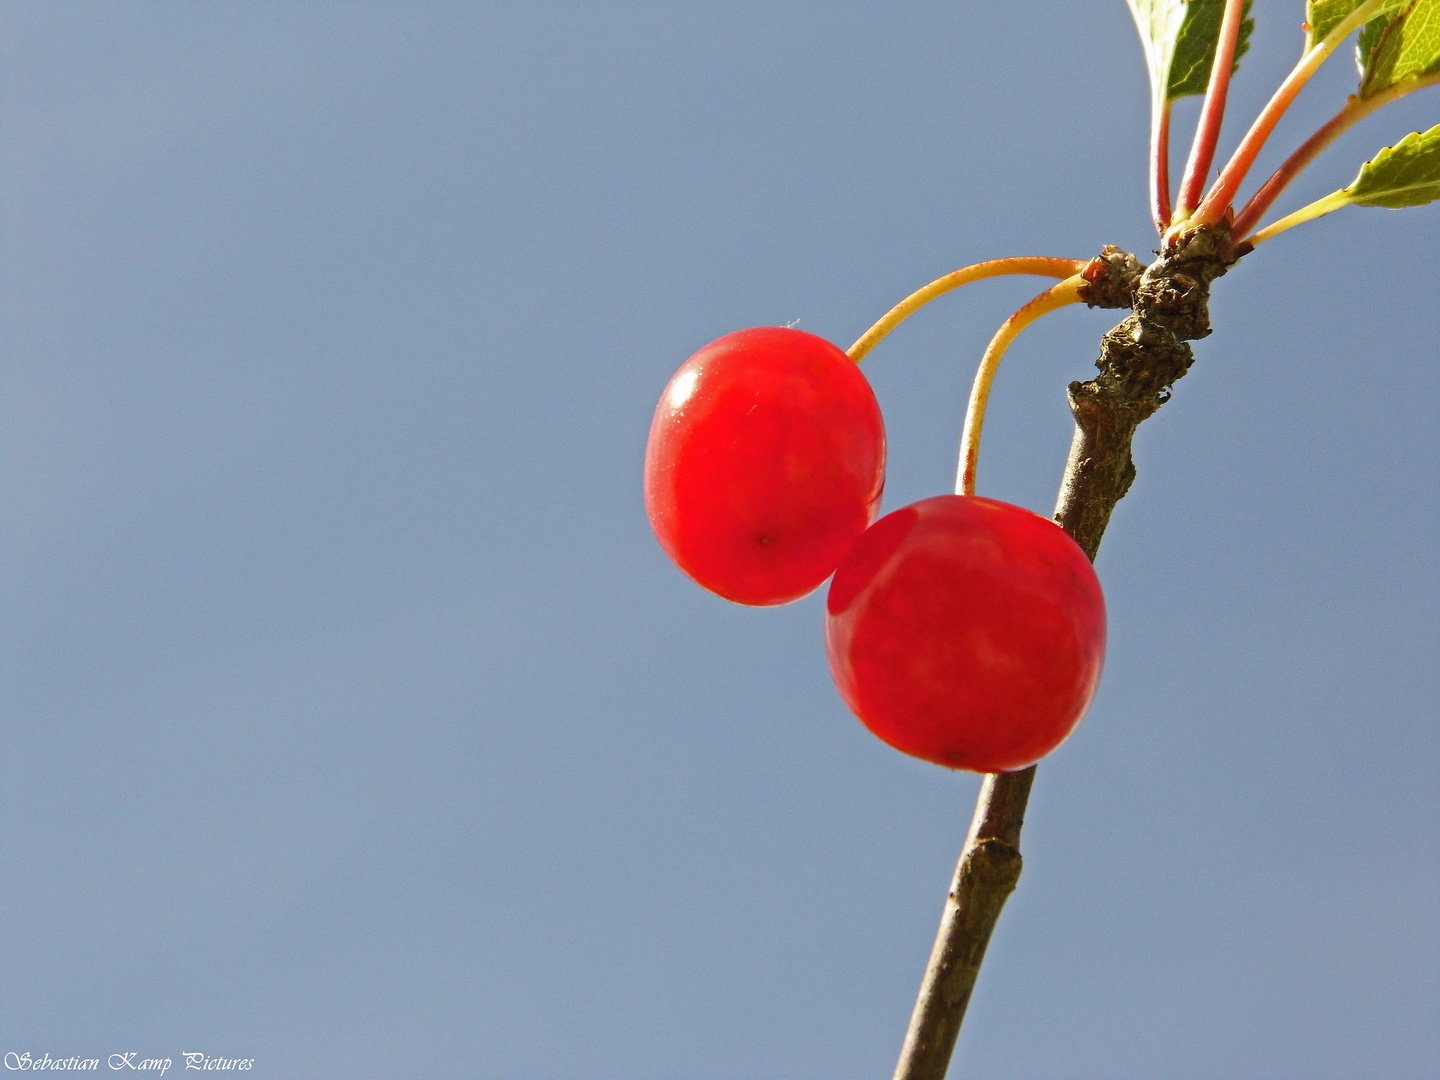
(1140, 360)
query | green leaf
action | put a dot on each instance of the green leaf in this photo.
(1159, 23)
(1404, 45)
(1406, 174)
(1370, 36)
(1179, 37)
(1322, 16)
(1196, 43)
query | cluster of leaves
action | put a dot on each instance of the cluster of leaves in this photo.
(1399, 48)
(1398, 52)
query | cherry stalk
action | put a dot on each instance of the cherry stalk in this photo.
(1067, 292)
(1022, 264)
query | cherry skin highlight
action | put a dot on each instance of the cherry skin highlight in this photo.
(766, 460)
(966, 632)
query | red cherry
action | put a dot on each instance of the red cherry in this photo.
(967, 632)
(766, 460)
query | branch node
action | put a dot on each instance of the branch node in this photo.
(1112, 278)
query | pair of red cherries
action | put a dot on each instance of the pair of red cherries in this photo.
(960, 630)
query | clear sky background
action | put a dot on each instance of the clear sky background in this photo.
(353, 720)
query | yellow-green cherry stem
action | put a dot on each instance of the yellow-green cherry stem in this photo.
(1058, 296)
(1025, 264)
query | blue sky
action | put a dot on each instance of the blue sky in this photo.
(354, 722)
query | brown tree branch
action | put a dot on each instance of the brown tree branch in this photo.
(1140, 359)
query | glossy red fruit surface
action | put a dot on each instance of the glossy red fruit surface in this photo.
(967, 632)
(766, 460)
